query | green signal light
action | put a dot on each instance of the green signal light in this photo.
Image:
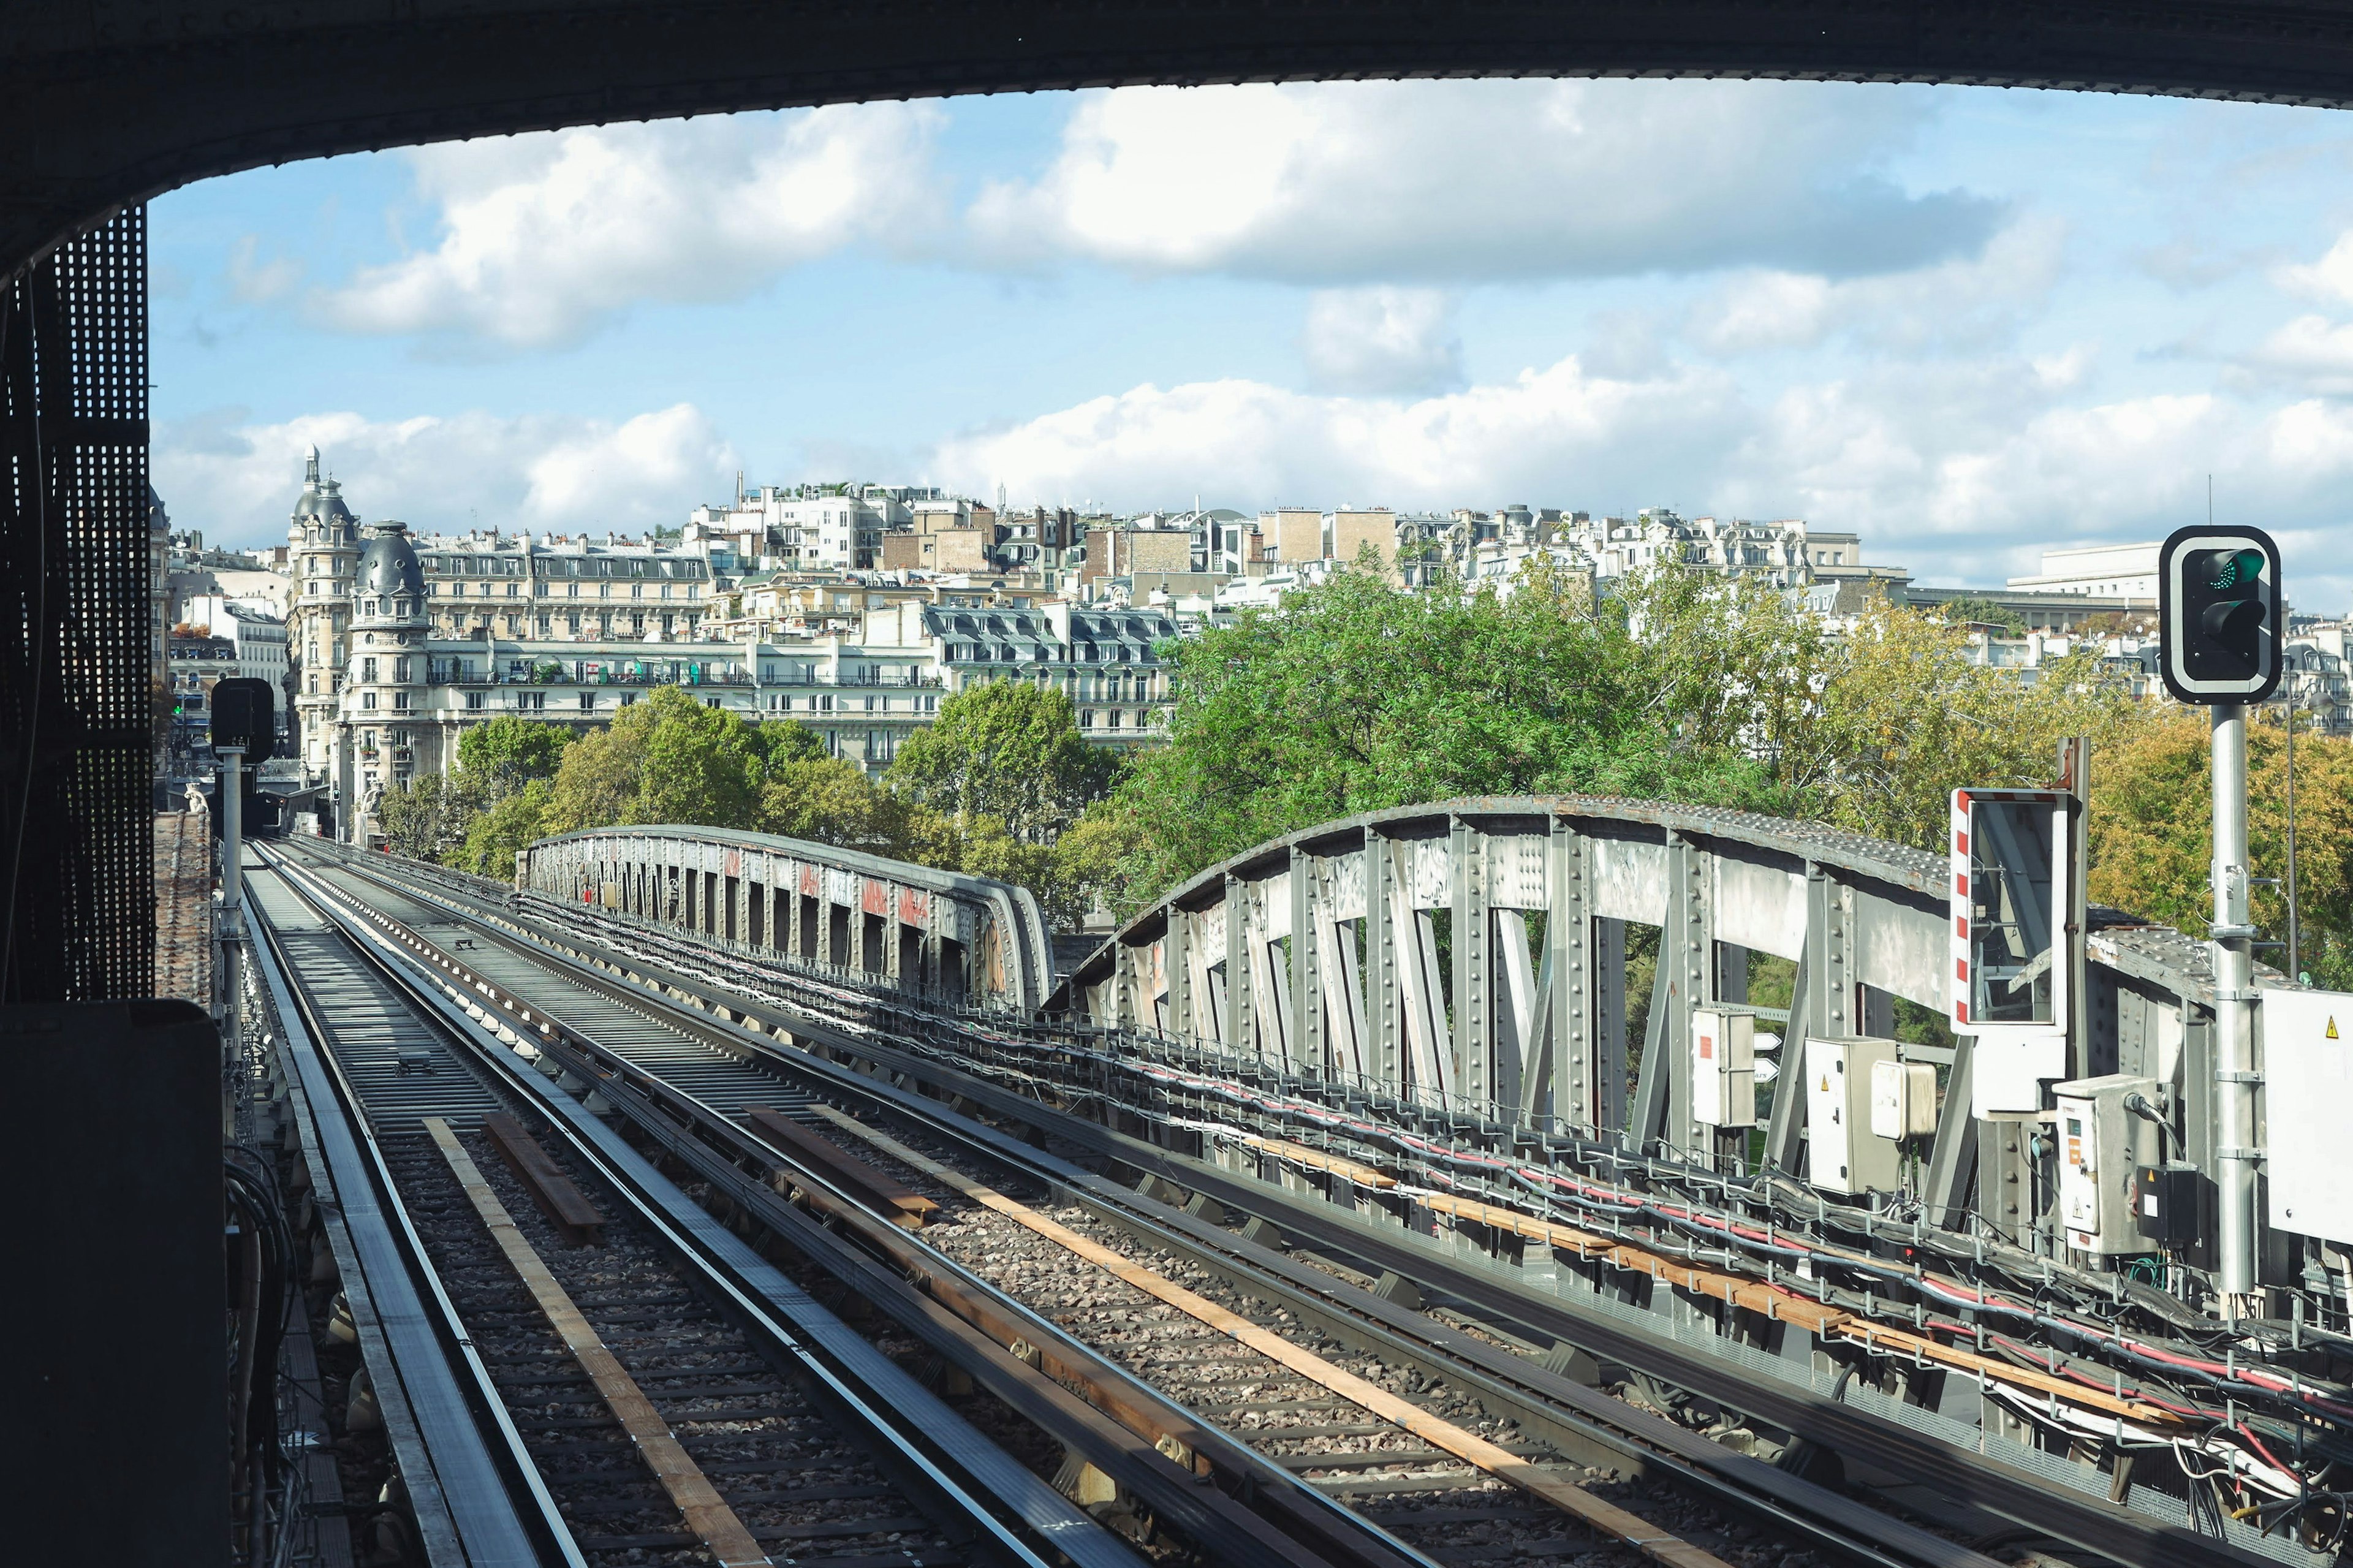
(2243, 565)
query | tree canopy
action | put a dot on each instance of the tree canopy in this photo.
(1007, 749)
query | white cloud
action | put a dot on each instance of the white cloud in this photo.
(1381, 340)
(1973, 300)
(2310, 352)
(545, 237)
(1962, 471)
(1448, 181)
(2330, 277)
(237, 481)
(1251, 442)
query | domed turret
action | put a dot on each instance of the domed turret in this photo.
(388, 565)
(321, 499)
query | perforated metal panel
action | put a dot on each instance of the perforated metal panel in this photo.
(76, 750)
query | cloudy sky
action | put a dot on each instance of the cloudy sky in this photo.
(1966, 323)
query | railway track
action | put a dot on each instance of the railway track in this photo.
(660, 1395)
(1695, 1497)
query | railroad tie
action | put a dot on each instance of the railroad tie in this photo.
(1604, 1517)
(705, 1511)
(566, 1205)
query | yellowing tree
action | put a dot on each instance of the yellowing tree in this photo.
(2152, 835)
(1903, 719)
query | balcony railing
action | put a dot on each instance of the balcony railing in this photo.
(684, 673)
(896, 682)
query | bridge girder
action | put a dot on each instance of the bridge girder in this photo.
(1467, 960)
(874, 923)
(109, 103)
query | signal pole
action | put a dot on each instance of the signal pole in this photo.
(2232, 941)
(2222, 615)
(232, 790)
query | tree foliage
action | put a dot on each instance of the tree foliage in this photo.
(2152, 835)
(1354, 696)
(510, 751)
(1006, 749)
(989, 796)
(1902, 719)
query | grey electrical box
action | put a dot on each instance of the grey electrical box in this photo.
(2103, 1145)
(1843, 1154)
(1724, 1067)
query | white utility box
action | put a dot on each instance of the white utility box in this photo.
(2007, 1071)
(1724, 1067)
(2102, 1145)
(1902, 1100)
(1844, 1156)
(2308, 1103)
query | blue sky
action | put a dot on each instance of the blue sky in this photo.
(1965, 323)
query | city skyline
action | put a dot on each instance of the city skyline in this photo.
(1965, 323)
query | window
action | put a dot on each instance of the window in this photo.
(367, 670)
(629, 698)
(474, 701)
(367, 698)
(710, 702)
(400, 700)
(530, 701)
(587, 703)
(637, 590)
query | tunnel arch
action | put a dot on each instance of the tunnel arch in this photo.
(110, 103)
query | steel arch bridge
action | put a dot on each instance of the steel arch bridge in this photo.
(1318, 956)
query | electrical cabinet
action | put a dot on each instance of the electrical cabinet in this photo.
(1843, 1154)
(2103, 1144)
(2307, 1087)
(1902, 1100)
(2170, 1202)
(1724, 1067)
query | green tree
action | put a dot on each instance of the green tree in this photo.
(1006, 750)
(827, 800)
(670, 759)
(1353, 697)
(1971, 610)
(494, 836)
(427, 818)
(510, 751)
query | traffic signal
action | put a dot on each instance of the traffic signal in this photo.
(244, 715)
(2221, 613)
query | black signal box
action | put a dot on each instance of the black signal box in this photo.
(2168, 1202)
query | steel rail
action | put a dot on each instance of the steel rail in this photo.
(918, 1280)
(2090, 1524)
(472, 1455)
(1610, 1430)
(906, 1421)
